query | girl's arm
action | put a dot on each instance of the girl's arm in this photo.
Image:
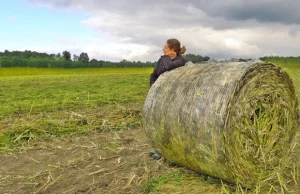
(169, 64)
(154, 75)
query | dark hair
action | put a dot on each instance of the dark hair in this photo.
(175, 44)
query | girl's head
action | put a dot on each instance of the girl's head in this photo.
(173, 45)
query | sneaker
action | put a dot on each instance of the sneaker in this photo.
(154, 155)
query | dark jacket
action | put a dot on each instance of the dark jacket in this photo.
(165, 63)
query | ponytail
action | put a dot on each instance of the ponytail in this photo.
(182, 50)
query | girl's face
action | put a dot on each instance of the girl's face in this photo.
(167, 49)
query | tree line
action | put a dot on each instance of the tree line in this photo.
(65, 59)
(283, 60)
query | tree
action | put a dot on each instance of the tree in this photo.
(67, 55)
(195, 58)
(93, 63)
(52, 56)
(84, 58)
(75, 57)
(58, 56)
(122, 63)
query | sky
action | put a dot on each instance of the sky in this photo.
(137, 29)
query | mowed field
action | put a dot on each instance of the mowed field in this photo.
(80, 131)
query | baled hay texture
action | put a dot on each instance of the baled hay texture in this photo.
(234, 121)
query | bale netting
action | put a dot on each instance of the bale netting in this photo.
(232, 120)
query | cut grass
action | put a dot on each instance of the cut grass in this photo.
(30, 95)
(6, 72)
(178, 181)
(34, 107)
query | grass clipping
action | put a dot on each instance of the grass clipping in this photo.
(235, 121)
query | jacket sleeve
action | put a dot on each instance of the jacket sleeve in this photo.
(168, 64)
(154, 75)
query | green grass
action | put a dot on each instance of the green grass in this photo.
(178, 182)
(292, 66)
(291, 62)
(4, 72)
(75, 100)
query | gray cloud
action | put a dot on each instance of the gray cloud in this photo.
(281, 11)
(294, 31)
(218, 28)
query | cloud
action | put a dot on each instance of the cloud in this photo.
(294, 31)
(137, 29)
(277, 11)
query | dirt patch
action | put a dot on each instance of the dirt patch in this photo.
(98, 163)
(115, 162)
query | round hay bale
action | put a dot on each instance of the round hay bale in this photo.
(233, 121)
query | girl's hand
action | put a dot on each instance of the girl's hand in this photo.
(171, 54)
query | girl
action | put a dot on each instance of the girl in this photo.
(170, 60)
